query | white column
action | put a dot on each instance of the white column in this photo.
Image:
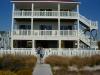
(77, 8)
(31, 26)
(59, 16)
(59, 24)
(59, 44)
(32, 19)
(12, 26)
(78, 41)
(33, 47)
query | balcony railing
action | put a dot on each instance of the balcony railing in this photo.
(46, 32)
(45, 14)
(22, 32)
(89, 23)
(84, 38)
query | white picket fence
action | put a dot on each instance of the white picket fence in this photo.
(81, 53)
(48, 52)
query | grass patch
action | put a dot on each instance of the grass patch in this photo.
(17, 65)
(60, 64)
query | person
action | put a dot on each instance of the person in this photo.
(40, 53)
(38, 50)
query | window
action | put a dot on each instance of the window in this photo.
(65, 27)
(45, 9)
(24, 26)
(45, 27)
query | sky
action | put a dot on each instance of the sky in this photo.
(88, 8)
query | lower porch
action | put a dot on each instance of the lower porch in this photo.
(45, 44)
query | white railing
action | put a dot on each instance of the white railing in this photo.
(22, 32)
(22, 13)
(69, 13)
(94, 25)
(46, 32)
(81, 53)
(68, 32)
(85, 20)
(45, 13)
(47, 52)
(22, 48)
(18, 52)
(94, 44)
(89, 23)
(85, 38)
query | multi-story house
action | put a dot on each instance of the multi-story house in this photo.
(5, 39)
(55, 24)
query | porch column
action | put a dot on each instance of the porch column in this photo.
(12, 26)
(32, 19)
(31, 26)
(59, 44)
(78, 41)
(33, 47)
(59, 18)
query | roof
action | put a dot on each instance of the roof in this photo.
(48, 0)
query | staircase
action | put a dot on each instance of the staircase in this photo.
(84, 38)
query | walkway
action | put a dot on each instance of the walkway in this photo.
(42, 69)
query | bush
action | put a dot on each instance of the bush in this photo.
(14, 63)
(95, 60)
(77, 61)
(27, 71)
(7, 73)
(57, 61)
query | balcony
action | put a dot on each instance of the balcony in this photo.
(45, 32)
(55, 14)
(45, 14)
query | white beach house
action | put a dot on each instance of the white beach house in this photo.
(55, 24)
